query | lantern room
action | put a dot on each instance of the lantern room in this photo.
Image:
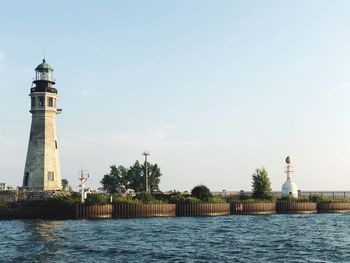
(44, 79)
(44, 72)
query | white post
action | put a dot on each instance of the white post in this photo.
(146, 153)
(82, 191)
(82, 180)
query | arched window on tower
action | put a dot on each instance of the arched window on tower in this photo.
(41, 101)
(50, 102)
(50, 176)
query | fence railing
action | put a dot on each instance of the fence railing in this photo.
(331, 194)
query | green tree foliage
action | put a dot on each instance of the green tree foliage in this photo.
(137, 181)
(65, 185)
(201, 192)
(243, 196)
(153, 177)
(73, 199)
(3, 206)
(116, 181)
(96, 199)
(120, 178)
(261, 185)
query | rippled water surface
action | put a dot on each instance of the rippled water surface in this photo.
(275, 238)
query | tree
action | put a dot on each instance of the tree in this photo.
(137, 179)
(116, 181)
(261, 185)
(201, 192)
(65, 185)
(154, 175)
(120, 178)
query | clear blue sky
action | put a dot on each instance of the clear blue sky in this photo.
(214, 89)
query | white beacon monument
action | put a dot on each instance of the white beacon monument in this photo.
(289, 188)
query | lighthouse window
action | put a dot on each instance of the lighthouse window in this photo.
(56, 144)
(33, 101)
(41, 101)
(50, 176)
(50, 101)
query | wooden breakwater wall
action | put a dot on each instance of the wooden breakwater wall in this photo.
(143, 210)
(283, 207)
(23, 211)
(161, 210)
(36, 210)
(296, 207)
(253, 208)
(325, 207)
(118, 211)
(202, 209)
(44, 210)
(91, 211)
(167, 210)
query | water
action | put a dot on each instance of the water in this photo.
(275, 238)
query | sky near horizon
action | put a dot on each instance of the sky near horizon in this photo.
(214, 89)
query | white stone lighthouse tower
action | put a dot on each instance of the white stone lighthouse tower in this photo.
(42, 169)
(289, 188)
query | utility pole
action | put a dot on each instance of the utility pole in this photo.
(83, 176)
(146, 153)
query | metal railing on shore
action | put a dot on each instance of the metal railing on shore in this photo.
(331, 194)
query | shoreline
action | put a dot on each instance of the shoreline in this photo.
(46, 210)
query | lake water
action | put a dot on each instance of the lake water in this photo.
(274, 238)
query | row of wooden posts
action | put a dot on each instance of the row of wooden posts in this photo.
(161, 210)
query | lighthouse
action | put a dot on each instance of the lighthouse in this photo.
(42, 170)
(289, 188)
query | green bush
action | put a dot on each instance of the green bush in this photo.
(142, 198)
(294, 199)
(147, 198)
(243, 196)
(338, 200)
(248, 198)
(73, 199)
(317, 198)
(261, 185)
(215, 200)
(201, 192)
(326, 199)
(3, 206)
(118, 199)
(232, 198)
(97, 199)
(176, 197)
(188, 200)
